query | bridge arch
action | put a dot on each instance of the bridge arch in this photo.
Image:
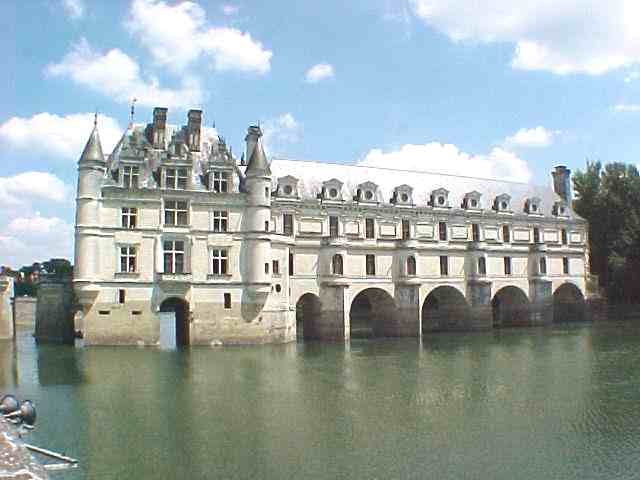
(308, 310)
(177, 327)
(371, 312)
(568, 303)
(510, 306)
(445, 308)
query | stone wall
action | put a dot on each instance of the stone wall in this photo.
(54, 311)
(25, 312)
(6, 307)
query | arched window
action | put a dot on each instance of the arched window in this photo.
(336, 264)
(411, 265)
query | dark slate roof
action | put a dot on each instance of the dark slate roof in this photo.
(258, 162)
(93, 149)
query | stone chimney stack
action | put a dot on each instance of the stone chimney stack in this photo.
(194, 124)
(562, 182)
(159, 126)
(253, 135)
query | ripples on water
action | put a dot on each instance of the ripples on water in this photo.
(559, 402)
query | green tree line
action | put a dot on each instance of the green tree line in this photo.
(609, 199)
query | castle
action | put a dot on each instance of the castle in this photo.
(262, 252)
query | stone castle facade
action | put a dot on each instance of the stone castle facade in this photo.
(258, 251)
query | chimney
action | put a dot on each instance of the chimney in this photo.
(159, 126)
(194, 122)
(562, 182)
(253, 134)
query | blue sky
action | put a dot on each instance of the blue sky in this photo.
(493, 88)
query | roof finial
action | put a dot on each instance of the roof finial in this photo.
(133, 110)
(214, 124)
(95, 118)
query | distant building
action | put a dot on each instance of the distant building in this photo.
(171, 221)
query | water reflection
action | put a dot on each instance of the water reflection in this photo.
(535, 403)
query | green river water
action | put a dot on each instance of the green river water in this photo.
(560, 402)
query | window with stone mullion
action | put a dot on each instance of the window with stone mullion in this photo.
(130, 176)
(220, 221)
(176, 178)
(128, 263)
(129, 217)
(219, 261)
(174, 256)
(176, 213)
(220, 182)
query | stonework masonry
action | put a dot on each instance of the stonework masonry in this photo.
(25, 312)
(6, 307)
(256, 251)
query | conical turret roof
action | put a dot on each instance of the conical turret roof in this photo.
(258, 162)
(93, 149)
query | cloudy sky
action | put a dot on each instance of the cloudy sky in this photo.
(492, 88)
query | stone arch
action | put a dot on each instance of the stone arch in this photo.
(510, 306)
(308, 310)
(445, 308)
(180, 309)
(568, 303)
(371, 314)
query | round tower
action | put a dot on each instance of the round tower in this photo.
(91, 170)
(257, 215)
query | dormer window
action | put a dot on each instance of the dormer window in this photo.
(502, 203)
(367, 192)
(440, 198)
(130, 176)
(532, 206)
(471, 201)
(560, 209)
(287, 187)
(176, 178)
(220, 182)
(332, 190)
(402, 195)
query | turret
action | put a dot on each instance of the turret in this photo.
(91, 170)
(562, 182)
(257, 216)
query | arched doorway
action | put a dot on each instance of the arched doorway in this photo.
(510, 307)
(568, 304)
(308, 310)
(445, 308)
(179, 321)
(371, 313)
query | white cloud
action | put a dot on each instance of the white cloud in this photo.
(561, 36)
(531, 137)
(229, 9)
(60, 136)
(319, 72)
(631, 77)
(118, 76)
(15, 191)
(626, 108)
(35, 238)
(177, 35)
(447, 158)
(73, 8)
(279, 132)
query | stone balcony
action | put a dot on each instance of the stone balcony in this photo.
(180, 278)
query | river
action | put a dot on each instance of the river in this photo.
(560, 402)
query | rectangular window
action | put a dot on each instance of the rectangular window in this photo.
(507, 265)
(128, 259)
(174, 256)
(291, 259)
(563, 235)
(176, 178)
(406, 230)
(565, 265)
(266, 226)
(536, 235)
(287, 224)
(130, 176)
(442, 231)
(543, 266)
(482, 266)
(475, 232)
(219, 261)
(506, 234)
(371, 264)
(176, 213)
(129, 217)
(220, 182)
(333, 227)
(444, 265)
(227, 301)
(266, 268)
(275, 266)
(369, 224)
(121, 296)
(220, 220)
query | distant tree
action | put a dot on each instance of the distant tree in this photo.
(609, 199)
